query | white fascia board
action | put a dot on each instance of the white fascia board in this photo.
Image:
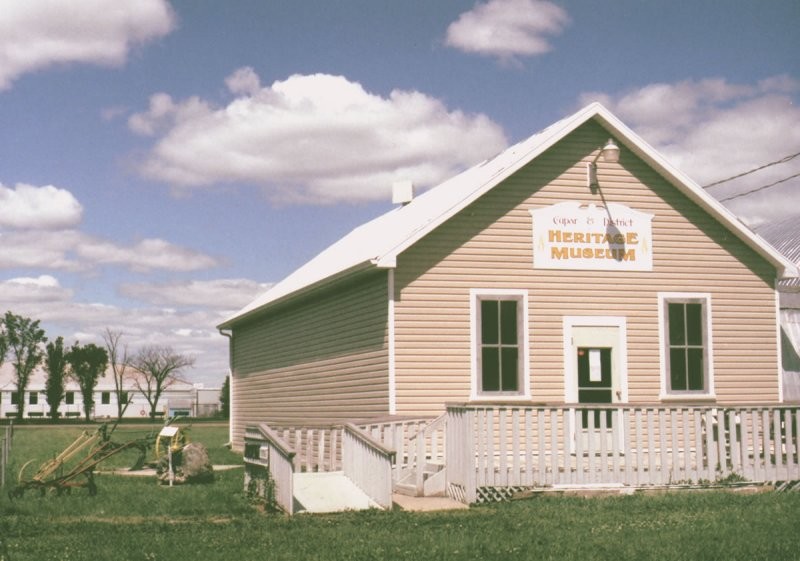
(696, 193)
(267, 302)
(539, 143)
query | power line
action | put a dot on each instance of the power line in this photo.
(760, 188)
(776, 162)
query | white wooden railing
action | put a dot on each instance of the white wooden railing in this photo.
(505, 446)
(316, 447)
(269, 466)
(420, 451)
(368, 464)
(319, 447)
(401, 436)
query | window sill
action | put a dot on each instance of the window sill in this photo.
(498, 398)
(673, 398)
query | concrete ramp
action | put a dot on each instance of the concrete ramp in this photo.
(328, 492)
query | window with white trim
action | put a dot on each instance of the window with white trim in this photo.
(499, 332)
(687, 367)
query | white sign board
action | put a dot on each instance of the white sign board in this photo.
(595, 366)
(168, 431)
(610, 238)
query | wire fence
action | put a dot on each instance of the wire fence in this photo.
(5, 452)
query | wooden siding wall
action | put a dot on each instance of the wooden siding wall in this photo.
(489, 244)
(322, 359)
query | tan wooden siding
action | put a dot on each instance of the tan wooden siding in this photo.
(489, 244)
(322, 359)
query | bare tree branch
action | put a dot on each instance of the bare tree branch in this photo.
(158, 368)
(119, 359)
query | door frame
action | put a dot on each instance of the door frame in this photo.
(619, 380)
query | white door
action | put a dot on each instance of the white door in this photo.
(595, 352)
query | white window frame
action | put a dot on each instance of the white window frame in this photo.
(521, 295)
(703, 298)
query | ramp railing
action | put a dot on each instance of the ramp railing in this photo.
(269, 467)
(368, 464)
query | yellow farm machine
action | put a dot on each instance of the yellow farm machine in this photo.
(74, 466)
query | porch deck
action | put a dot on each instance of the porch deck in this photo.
(479, 453)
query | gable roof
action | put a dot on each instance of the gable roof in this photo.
(378, 242)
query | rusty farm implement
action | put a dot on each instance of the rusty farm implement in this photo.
(74, 466)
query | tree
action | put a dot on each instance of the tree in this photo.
(87, 363)
(119, 359)
(24, 338)
(158, 368)
(3, 341)
(225, 398)
(55, 363)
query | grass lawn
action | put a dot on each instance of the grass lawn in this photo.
(136, 519)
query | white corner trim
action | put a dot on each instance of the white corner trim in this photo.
(391, 345)
(571, 368)
(778, 341)
(474, 295)
(664, 395)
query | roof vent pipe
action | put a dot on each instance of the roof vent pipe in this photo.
(402, 192)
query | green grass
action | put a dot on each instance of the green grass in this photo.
(136, 519)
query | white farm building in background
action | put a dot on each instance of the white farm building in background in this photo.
(179, 398)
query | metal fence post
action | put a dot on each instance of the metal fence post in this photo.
(5, 446)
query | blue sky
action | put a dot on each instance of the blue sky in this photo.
(162, 162)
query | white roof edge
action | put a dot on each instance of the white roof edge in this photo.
(548, 137)
(412, 227)
(641, 148)
(261, 302)
(699, 195)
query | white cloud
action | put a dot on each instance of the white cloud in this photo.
(312, 139)
(244, 81)
(72, 250)
(38, 34)
(712, 129)
(40, 249)
(220, 294)
(47, 207)
(41, 289)
(146, 255)
(190, 332)
(507, 29)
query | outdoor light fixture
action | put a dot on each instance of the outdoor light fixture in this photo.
(610, 154)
